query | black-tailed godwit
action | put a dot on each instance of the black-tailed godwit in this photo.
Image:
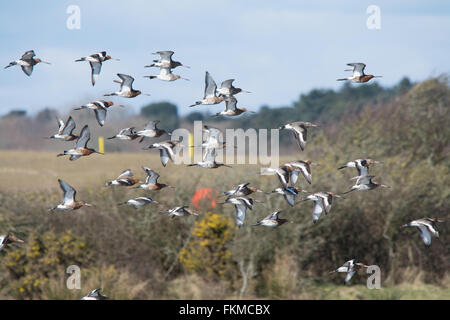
(426, 227)
(65, 131)
(180, 212)
(209, 96)
(81, 148)
(100, 108)
(300, 130)
(272, 220)
(139, 202)
(7, 239)
(95, 295)
(358, 73)
(350, 267)
(69, 201)
(95, 60)
(126, 87)
(27, 62)
(126, 178)
(165, 61)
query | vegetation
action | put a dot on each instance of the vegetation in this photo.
(144, 254)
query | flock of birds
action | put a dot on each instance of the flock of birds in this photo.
(287, 173)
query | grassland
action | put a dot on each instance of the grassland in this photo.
(31, 177)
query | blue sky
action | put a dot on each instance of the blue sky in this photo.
(275, 49)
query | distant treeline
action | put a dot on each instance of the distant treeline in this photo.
(316, 105)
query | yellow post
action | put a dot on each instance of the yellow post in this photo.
(101, 144)
(191, 146)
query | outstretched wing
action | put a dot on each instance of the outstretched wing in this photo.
(127, 81)
(100, 114)
(151, 125)
(165, 55)
(230, 103)
(84, 138)
(125, 174)
(210, 155)
(28, 70)
(240, 214)
(69, 192)
(318, 209)
(227, 84)
(425, 235)
(358, 68)
(96, 67)
(70, 126)
(210, 86)
(28, 55)
(152, 176)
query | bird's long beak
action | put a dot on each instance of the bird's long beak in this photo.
(185, 66)
(88, 205)
(342, 167)
(347, 191)
(45, 62)
(146, 94)
(246, 91)
(185, 79)
(115, 59)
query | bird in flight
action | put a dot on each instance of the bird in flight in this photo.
(95, 295)
(151, 183)
(272, 220)
(126, 87)
(126, 178)
(362, 165)
(139, 202)
(165, 61)
(7, 239)
(125, 134)
(242, 190)
(81, 148)
(365, 183)
(289, 193)
(227, 89)
(231, 109)
(299, 129)
(180, 212)
(165, 74)
(166, 150)
(294, 168)
(426, 227)
(209, 160)
(151, 130)
(358, 73)
(241, 204)
(95, 60)
(27, 62)
(65, 131)
(209, 96)
(322, 203)
(100, 108)
(350, 267)
(69, 201)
